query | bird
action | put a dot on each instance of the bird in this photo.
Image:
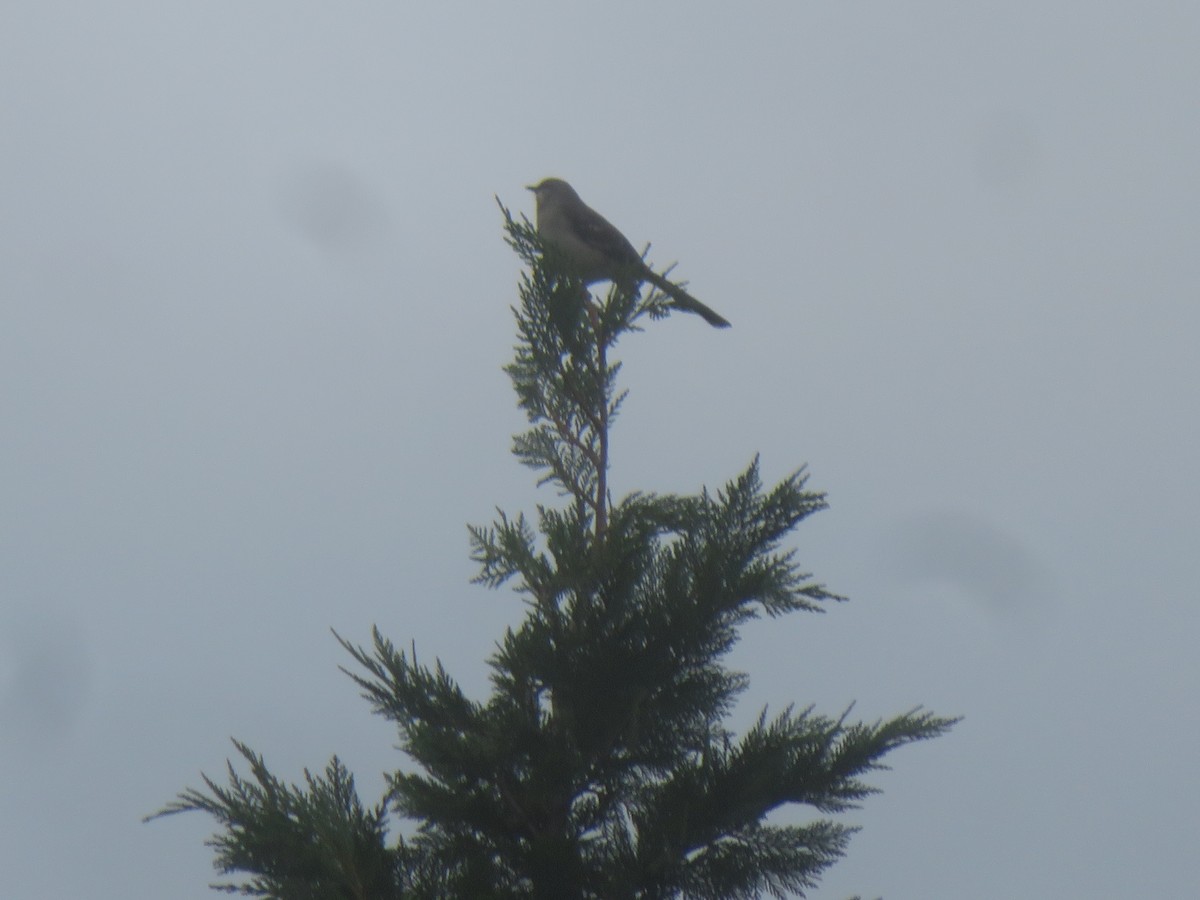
(589, 246)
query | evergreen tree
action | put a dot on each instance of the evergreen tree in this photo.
(600, 766)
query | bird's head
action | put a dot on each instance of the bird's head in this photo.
(548, 190)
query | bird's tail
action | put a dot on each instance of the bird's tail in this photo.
(686, 301)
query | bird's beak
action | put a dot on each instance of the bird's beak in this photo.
(531, 187)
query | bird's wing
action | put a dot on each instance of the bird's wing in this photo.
(597, 232)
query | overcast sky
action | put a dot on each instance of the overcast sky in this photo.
(254, 304)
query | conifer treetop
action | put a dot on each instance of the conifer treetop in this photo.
(600, 765)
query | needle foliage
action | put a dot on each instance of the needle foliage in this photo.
(600, 765)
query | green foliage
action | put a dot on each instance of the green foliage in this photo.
(599, 766)
(312, 843)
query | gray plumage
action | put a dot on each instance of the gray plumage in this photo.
(593, 249)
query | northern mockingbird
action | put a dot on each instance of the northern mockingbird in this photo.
(588, 245)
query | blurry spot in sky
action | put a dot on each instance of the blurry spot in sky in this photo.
(44, 681)
(970, 553)
(1005, 150)
(332, 207)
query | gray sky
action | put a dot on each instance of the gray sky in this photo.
(253, 309)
